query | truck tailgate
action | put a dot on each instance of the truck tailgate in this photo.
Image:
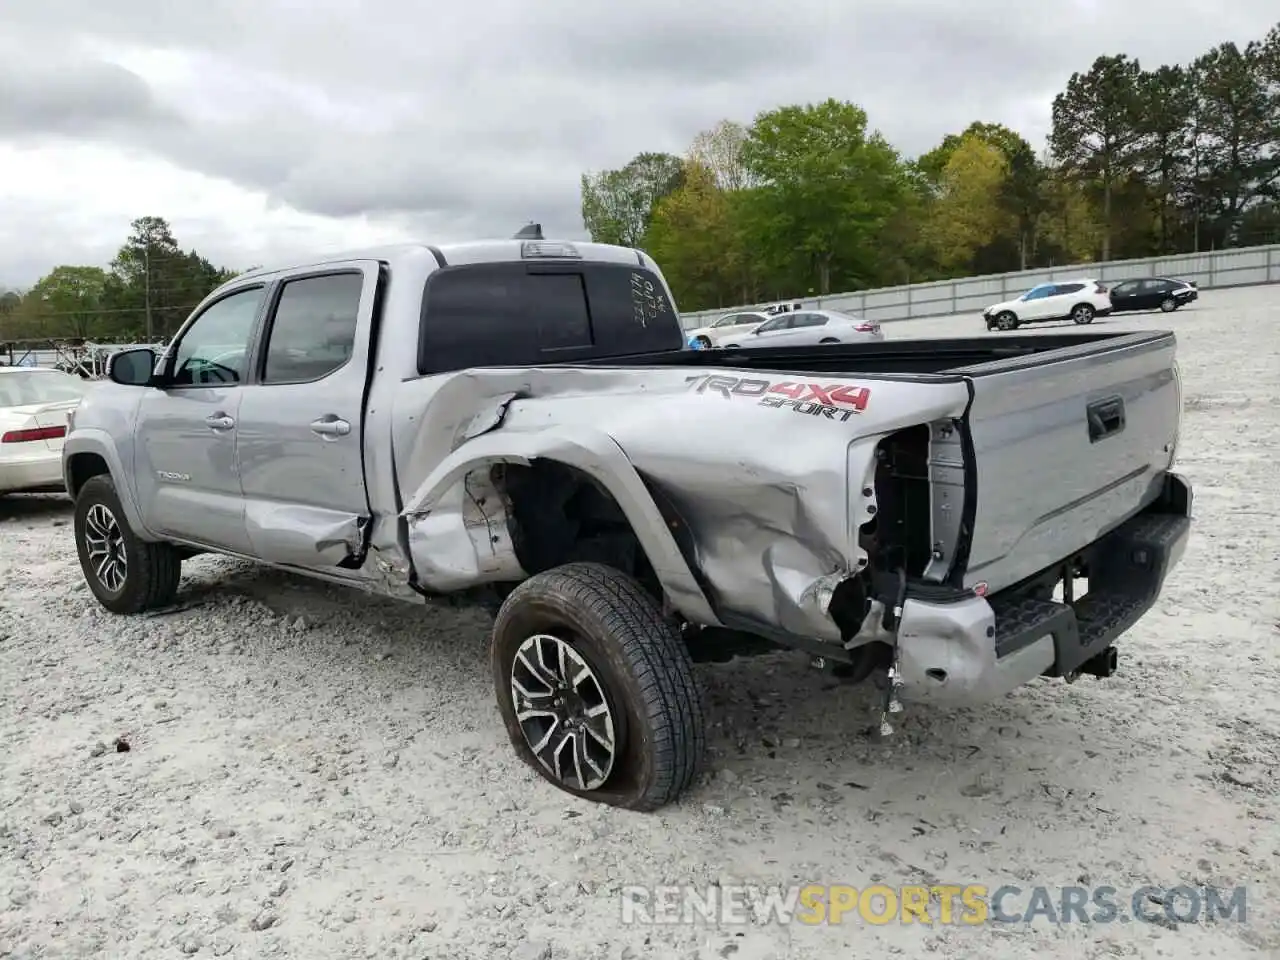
(1067, 445)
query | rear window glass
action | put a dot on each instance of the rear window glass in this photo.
(18, 389)
(500, 314)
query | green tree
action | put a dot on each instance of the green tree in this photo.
(617, 205)
(1239, 131)
(828, 190)
(1069, 228)
(157, 281)
(1096, 127)
(1166, 99)
(67, 302)
(1020, 192)
(970, 210)
(692, 235)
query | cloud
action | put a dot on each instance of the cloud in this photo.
(462, 120)
(55, 94)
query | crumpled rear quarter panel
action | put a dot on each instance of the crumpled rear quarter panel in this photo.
(770, 485)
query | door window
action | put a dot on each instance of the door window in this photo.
(514, 313)
(1155, 286)
(776, 323)
(313, 330)
(1128, 288)
(1038, 293)
(212, 352)
(1064, 288)
(808, 320)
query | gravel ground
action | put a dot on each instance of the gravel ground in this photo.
(310, 773)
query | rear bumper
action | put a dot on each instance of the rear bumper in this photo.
(32, 473)
(977, 649)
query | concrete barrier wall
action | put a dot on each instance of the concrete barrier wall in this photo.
(1237, 267)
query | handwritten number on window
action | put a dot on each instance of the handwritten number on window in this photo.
(647, 301)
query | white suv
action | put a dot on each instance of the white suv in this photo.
(1079, 300)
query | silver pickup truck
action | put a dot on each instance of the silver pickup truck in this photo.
(519, 422)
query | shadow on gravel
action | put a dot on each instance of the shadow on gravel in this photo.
(34, 506)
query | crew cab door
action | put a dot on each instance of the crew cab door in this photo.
(771, 333)
(185, 429)
(1127, 295)
(1037, 303)
(299, 446)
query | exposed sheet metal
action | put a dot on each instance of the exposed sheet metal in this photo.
(771, 477)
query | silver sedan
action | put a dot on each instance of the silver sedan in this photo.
(806, 327)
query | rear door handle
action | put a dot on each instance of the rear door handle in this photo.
(1106, 418)
(220, 421)
(330, 427)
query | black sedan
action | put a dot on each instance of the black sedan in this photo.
(1152, 293)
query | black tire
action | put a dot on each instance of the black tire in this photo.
(1082, 313)
(828, 340)
(1006, 321)
(730, 346)
(640, 666)
(1168, 305)
(151, 570)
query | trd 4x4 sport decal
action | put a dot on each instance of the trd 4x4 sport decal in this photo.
(837, 401)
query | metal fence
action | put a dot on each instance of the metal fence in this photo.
(1237, 267)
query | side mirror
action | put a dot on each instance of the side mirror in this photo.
(132, 368)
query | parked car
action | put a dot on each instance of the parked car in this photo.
(1079, 300)
(730, 325)
(498, 426)
(1152, 293)
(803, 327)
(34, 402)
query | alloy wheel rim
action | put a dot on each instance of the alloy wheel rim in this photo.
(563, 713)
(104, 541)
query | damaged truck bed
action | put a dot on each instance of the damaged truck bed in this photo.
(516, 421)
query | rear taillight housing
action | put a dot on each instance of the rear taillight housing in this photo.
(35, 433)
(867, 327)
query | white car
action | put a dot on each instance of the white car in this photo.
(805, 327)
(1078, 300)
(34, 404)
(731, 324)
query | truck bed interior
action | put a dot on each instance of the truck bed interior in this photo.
(887, 357)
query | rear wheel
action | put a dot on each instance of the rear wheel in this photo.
(1006, 321)
(596, 688)
(828, 340)
(126, 574)
(1082, 313)
(1168, 304)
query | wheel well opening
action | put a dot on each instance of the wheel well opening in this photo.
(560, 514)
(82, 468)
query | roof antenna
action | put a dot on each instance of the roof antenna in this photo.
(531, 231)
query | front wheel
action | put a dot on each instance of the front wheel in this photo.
(1083, 313)
(1006, 321)
(126, 574)
(596, 688)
